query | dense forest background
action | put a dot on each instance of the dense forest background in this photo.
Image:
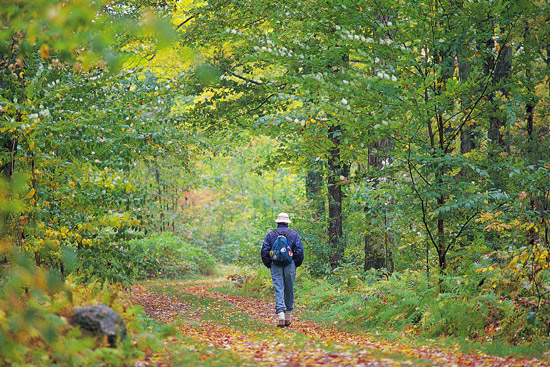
(409, 140)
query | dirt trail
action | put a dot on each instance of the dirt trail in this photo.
(257, 341)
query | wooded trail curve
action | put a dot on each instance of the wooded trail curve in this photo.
(245, 329)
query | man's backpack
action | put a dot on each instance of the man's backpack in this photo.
(280, 253)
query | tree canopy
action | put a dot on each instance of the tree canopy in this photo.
(399, 134)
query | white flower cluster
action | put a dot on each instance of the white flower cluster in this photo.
(347, 35)
(52, 84)
(234, 31)
(300, 44)
(263, 48)
(320, 77)
(383, 75)
(302, 122)
(267, 45)
(345, 103)
(44, 113)
(282, 52)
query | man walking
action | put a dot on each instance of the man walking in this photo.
(283, 252)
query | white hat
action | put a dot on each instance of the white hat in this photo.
(282, 218)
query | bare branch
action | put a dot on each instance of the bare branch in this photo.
(185, 21)
(245, 79)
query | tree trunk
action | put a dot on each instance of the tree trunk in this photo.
(501, 71)
(9, 145)
(442, 258)
(530, 107)
(378, 256)
(496, 122)
(335, 229)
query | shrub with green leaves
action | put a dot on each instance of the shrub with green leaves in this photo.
(473, 306)
(35, 306)
(161, 255)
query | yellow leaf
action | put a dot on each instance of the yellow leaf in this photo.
(45, 51)
(5, 246)
(523, 257)
(30, 194)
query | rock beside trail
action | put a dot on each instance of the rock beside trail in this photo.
(100, 320)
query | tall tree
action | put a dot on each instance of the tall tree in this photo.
(330, 80)
(299, 69)
(75, 121)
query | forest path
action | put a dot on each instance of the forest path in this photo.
(226, 330)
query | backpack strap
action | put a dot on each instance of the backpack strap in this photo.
(282, 234)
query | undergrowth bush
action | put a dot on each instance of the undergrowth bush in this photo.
(163, 255)
(35, 311)
(474, 306)
(258, 282)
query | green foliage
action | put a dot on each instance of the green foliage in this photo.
(74, 123)
(468, 306)
(230, 206)
(35, 309)
(432, 81)
(256, 282)
(160, 256)
(438, 143)
(473, 307)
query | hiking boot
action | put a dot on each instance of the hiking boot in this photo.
(281, 319)
(288, 316)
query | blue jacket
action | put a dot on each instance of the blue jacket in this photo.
(293, 239)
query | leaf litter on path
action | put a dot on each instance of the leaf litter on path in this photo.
(245, 327)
